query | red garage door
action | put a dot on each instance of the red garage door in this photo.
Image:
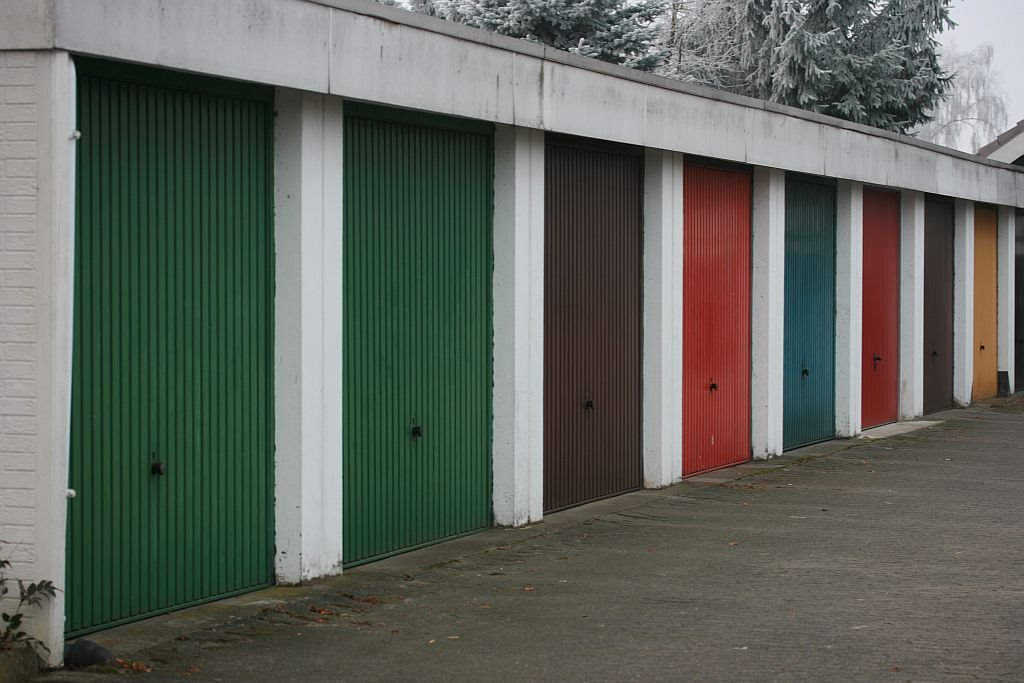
(880, 347)
(716, 318)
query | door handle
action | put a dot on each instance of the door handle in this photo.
(982, 347)
(805, 372)
(874, 362)
(714, 386)
(935, 354)
(588, 404)
(417, 430)
(158, 469)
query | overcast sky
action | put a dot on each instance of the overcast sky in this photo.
(999, 22)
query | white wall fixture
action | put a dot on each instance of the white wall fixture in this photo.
(308, 335)
(768, 312)
(849, 305)
(963, 302)
(663, 319)
(518, 489)
(912, 305)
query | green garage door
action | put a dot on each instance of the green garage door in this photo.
(172, 406)
(417, 317)
(809, 341)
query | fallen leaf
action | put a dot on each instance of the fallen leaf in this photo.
(181, 638)
(453, 637)
(432, 641)
(734, 542)
(528, 588)
(484, 605)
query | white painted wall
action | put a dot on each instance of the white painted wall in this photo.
(663, 319)
(308, 336)
(963, 302)
(37, 119)
(518, 446)
(849, 306)
(1007, 250)
(768, 312)
(912, 305)
(1010, 151)
(363, 50)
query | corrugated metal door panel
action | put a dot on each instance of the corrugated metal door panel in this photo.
(986, 325)
(1018, 384)
(173, 350)
(880, 345)
(938, 304)
(716, 318)
(809, 343)
(417, 335)
(593, 211)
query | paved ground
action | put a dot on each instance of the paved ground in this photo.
(899, 559)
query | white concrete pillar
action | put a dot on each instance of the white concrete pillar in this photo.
(849, 305)
(912, 306)
(1007, 251)
(768, 312)
(37, 289)
(518, 441)
(663, 319)
(308, 335)
(963, 302)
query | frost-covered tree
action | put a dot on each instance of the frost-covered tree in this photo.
(622, 32)
(973, 111)
(870, 61)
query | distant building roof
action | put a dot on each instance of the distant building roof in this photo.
(1008, 147)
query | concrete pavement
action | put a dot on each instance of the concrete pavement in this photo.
(896, 559)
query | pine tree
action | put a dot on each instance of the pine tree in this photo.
(622, 32)
(870, 61)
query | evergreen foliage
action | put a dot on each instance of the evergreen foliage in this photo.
(870, 61)
(625, 32)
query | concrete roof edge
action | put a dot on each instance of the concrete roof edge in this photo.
(27, 25)
(448, 28)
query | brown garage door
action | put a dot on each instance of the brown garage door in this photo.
(592, 321)
(938, 304)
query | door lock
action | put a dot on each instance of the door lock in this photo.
(158, 468)
(417, 430)
(874, 362)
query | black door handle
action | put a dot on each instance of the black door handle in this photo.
(935, 354)
(417, 430)
(874, 362)
(805, 372)
(714, 386)
(158, 469)
(982, 347)
(588, 404)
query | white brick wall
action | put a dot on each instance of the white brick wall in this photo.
(36, 268)
(19, 183)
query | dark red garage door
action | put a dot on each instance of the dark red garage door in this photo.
(716, 318)
(593, 214)
(880, 342)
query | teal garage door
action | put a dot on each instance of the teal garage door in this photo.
(418, 206)
(172, 389)
(809, 403)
